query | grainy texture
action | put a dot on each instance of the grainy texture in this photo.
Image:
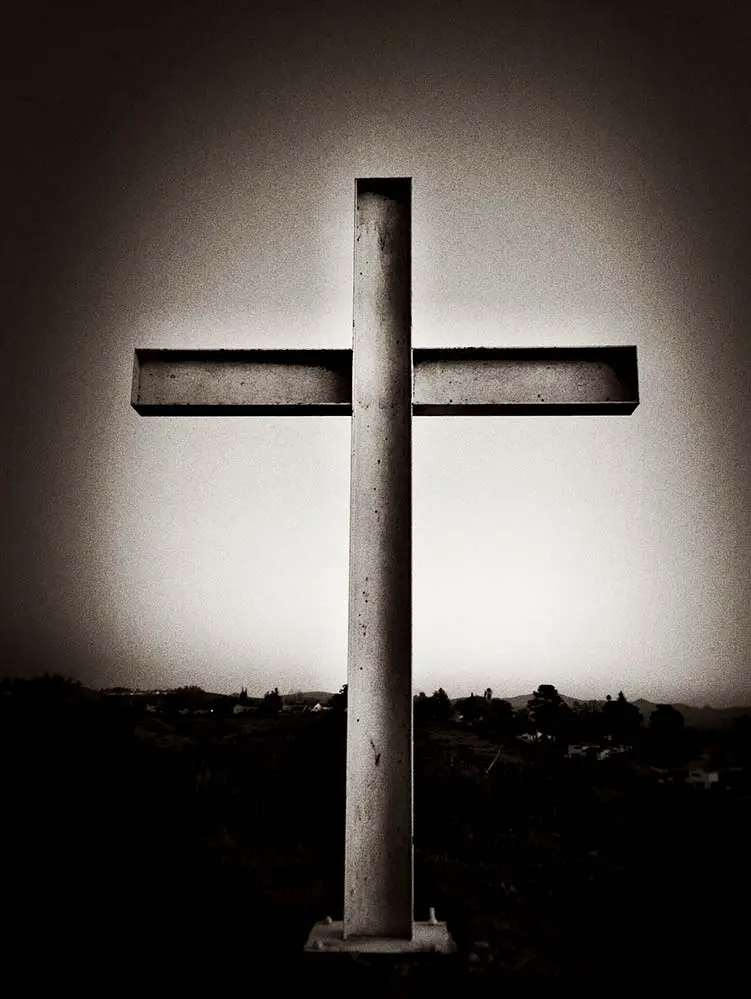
(378, 855)
(539, 381)
(242, 382)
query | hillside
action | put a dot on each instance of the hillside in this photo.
(705, 717)
(546, 869)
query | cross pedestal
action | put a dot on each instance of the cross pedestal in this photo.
(381, 384)
(430, 937)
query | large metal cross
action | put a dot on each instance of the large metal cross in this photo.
(382, 383)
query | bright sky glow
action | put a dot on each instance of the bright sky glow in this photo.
(558, 198)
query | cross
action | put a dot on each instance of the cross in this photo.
(381, 383)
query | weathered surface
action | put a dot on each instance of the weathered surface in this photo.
(374, 383)
(542, 381)
(242, 382)
(430, 937)
(378, 844)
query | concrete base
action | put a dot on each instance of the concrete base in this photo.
(427, 938)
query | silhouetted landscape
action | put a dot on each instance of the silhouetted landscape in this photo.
(191, 832)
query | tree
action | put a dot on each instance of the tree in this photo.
(587, 724)
(621, 720)
(666, 732)
(338, 702)
(420, 706)
(501, 718)
(488, 695)
(473, 708)
(436, 708)
(271, 704)
(739, 739)
(549, 712)
(54, 688)
(441, 708)
(666, 721)
(182, 698)
(523, 722)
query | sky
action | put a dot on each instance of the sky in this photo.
(181, 175)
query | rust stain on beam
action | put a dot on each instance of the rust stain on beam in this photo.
(529, 381)
(242, 382)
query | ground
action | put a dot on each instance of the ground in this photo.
(212, 845)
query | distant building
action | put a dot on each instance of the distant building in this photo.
(582, 749)
(704, 778)
(610, 751)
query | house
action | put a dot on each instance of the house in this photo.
(582, 749)
(610, 751)
(698, 776)
(244, 709)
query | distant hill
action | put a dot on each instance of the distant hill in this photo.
(698, 717)
(521, 700)
(706, 717)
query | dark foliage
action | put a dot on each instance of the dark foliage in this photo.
(203, 842)
(338, 702)
(271, 704)
(620, 719)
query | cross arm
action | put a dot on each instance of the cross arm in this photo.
(528, 381)
(242, 382)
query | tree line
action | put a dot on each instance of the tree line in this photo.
(548, 715)
(547, 718)
(664, 736)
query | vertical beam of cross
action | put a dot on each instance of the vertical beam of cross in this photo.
(378, 851)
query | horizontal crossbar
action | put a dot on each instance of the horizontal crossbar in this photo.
(462, 381)
(242, 382)
(529, 381)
